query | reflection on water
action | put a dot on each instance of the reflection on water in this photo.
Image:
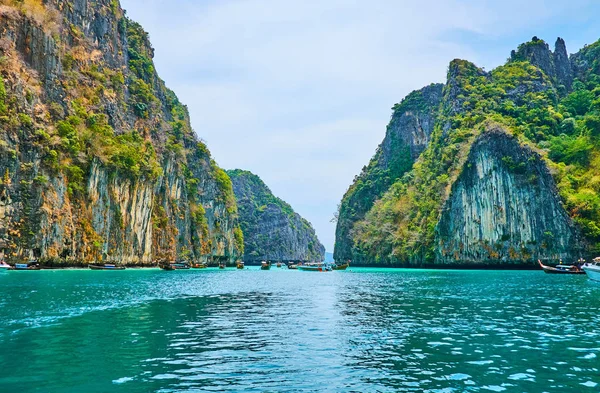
(364, 330)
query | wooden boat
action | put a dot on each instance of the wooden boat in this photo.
(561, 269)
(240, 265)
(315, 267)
(199, 266)
(341, 267)
(31, 265)
(167, 266)
(222, 266)
(278, 264)
(265, 265)
(106, 266)
(593, 269)
(181, 266)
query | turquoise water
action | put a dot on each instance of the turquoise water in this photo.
(365, 330)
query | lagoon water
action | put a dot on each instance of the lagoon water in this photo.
(364, 330)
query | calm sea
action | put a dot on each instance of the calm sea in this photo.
(364, 330)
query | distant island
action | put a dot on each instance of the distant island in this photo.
(272, 230)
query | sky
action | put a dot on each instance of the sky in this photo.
(299, 91)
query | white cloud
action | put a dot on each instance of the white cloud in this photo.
(299, 91)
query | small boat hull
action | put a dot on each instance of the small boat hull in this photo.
(314, 268)
(106, 267)
(563, 270)
(340, 267)
(593, 272)
(240, 266)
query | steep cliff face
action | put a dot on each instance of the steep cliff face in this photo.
(97, 156)
(407, 135)
(510, 173)
(504, 208)
(272, 230)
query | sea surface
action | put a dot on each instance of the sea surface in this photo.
(362, 330)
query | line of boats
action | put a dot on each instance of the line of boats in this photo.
(307, 266)
(592, 269)
(310, 266)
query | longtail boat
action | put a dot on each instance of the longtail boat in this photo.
(341, 267)
(106, 266)
(315, 267)
(561, 269)
(265, 265)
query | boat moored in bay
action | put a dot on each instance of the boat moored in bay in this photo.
(315, 267)
(106, 266)
(561, 269)
(592, 269)
(4, 267)
(341, 267)
(264, 265)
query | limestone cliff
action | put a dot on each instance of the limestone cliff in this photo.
(97, 157)
(272, 230)
(510, 173)
(504, 208)
(407, 135)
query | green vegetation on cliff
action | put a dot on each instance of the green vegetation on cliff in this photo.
(414, 116)
(518, 96)
(98, 155)
(271, 229)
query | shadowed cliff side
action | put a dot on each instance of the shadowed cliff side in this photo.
(407, 135)
(272, 230)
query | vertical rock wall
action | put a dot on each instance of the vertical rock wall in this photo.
(503, 209)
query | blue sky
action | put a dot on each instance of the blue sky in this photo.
(299, 91)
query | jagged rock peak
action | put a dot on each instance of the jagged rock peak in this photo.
(554, 64)
(564, 71)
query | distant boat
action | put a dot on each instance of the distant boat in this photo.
(222, 265)
(4, 267)
(265, 265)
(199, 266)
(315, 267)
(106, 266)
(341, 267)
(292, 266)
(561, 269)
(278, 264)
(240, 265)
(593, 269)
(31, 265)
(175, 266)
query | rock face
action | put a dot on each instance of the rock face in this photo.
(508, 174)
(97, 157)
(272, 230)
(555, 65)
(407, 135)
(504, 208)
